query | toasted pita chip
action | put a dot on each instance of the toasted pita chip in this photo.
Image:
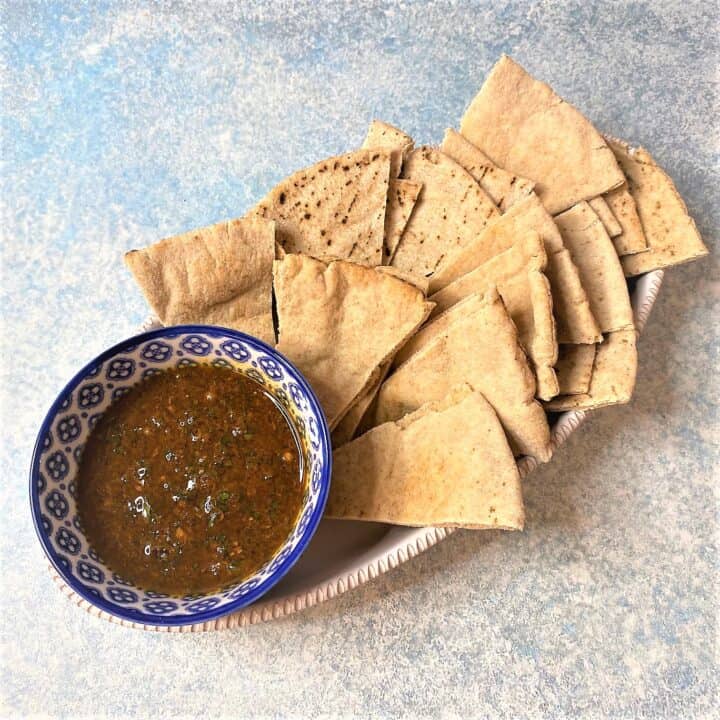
(523, 126)
(600, 271)
(450, 212)
(402, 196)
(216, 275)
(326, 329)
(335, 207)
(574, 320)
(480, 347)
(613, 375)
(446, 464)
(671, 234)
(383, 135)
(603, 211)
(632, 238)
(518, 275)
(504, 188)
(345, 429)
(574, 368)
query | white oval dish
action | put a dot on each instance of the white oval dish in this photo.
(343, 555)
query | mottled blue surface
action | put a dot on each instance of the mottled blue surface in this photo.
(125, 122)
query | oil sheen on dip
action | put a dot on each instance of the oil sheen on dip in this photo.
(191, 481)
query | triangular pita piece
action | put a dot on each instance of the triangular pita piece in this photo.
(216, 275)
(518, 275)
(504, 188)
(632, 238)
(671, 234)
(479, 347)
(446, 464)
(339, 322)
(600, 271)
(384, 135)
(345, 429)
(335, 207)
(575, 322)
(523, 126)
(450, 212)
(603, 211)
(402, 196)
(574, 368)
(613, 375)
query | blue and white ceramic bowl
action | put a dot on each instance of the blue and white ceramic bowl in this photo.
(63, 433)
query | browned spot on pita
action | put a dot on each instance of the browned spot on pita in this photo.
(385, 136)
(402, 196)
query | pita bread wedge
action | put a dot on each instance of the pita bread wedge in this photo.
(450, 212)
(402, 196)
(523, 126)
(479, 347)
(345, 429)
(384, 135)
(504, 188)
(613, 375)
(326, 329)
(447, 464)
(603, 211)
(518, 275)
(216, 275)
(599, 266)
(671, 234)
(574, 319)
(632, 238)
(574, 368)
(335, 207)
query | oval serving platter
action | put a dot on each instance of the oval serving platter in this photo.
(343, 554)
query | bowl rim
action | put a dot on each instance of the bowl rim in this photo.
(283, 567)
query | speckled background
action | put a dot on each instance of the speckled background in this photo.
(124, 122)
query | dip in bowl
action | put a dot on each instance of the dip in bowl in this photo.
(180, 475)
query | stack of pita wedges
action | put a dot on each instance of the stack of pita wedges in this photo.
(441, 300)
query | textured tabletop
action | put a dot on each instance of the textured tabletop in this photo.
(126, 122)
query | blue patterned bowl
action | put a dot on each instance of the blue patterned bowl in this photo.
(66, 427)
